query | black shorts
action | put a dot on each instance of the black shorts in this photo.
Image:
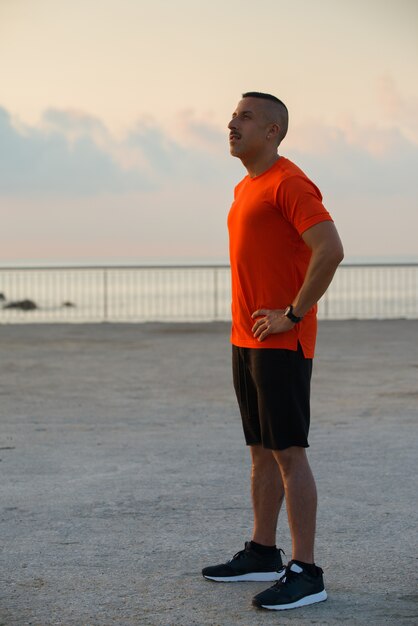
(273, 392)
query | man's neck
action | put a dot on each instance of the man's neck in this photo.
(261, 165)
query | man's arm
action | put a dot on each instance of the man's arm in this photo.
(327, 254)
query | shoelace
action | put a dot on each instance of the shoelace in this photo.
(238, 555)
(288, 576)
(243, 553)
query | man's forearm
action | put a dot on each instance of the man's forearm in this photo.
(319, 275)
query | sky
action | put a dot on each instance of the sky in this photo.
(114, 113)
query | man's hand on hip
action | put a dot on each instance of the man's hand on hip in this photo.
(270, 322)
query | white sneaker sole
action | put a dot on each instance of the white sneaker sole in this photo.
(253, 577)
(313, 599)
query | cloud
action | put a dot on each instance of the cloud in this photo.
(188, 151)
(168, 188)
(199, 132)
(353, 159)
(73, 122)
(74, 154)
(398, 109)
(46, 160)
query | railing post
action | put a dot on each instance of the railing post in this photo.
(215, 293)
(325, 303)
(105, 295)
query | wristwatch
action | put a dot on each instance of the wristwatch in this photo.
(293, 318)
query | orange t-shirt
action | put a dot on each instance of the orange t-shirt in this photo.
(268, 256)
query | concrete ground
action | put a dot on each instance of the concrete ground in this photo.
(124, 472)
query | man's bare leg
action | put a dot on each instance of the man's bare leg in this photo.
(267, 495)
(301, 500)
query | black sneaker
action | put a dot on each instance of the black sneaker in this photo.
(295, 588)
(247, 565)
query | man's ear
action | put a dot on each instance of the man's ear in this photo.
(273, 131)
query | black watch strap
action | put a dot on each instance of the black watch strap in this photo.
(293, 318)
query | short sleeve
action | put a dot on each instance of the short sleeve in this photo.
(300, 202)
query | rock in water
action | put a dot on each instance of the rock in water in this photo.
(23, 305)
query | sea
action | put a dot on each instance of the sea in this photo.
(176, 290)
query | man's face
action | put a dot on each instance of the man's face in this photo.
(248, 129)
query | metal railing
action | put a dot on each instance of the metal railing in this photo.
(186, 293)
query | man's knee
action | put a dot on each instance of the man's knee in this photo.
(290, 458)
(261, 457)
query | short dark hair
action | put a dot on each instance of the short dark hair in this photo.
(263, 96)
(284, 113)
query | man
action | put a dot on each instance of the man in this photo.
(284, 250)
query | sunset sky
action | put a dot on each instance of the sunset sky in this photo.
(113, 114)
